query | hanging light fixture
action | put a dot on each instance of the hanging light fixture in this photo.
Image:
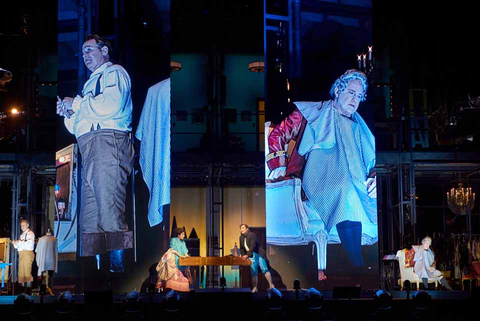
(175, 66)
(459, 198)
(256, 66)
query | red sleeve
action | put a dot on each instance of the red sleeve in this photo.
(280, 136)
(409, 258)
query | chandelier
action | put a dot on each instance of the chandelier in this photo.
(459, 198)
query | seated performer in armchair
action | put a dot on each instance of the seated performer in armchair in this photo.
(425, 263)
(334, 156)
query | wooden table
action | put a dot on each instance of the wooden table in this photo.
(211, 261)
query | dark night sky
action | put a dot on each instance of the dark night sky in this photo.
(16, 45)
(436, 41)
(21, 52)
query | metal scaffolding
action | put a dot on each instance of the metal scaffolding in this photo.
(30, 180)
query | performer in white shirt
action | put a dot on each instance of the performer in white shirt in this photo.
(101, 120)
(25, 245)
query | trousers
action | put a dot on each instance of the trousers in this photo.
(107, 161)
(25, 261)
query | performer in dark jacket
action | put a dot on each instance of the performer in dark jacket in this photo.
(250, 249)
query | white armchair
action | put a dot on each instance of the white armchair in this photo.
(406, 273)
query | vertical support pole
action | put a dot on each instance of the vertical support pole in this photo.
(401, 218)
(413, 199)
(82, 75)
(89, 17)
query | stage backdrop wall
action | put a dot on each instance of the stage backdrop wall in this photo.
(189, 100)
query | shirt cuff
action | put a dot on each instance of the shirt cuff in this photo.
(76, 103)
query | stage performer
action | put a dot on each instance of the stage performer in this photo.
(251, 249)
(100, 118)
(25, 246)
(47, 258)
(170, 274)
(334, 156)
(425, 263)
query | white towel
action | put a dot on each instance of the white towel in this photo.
(154, 133)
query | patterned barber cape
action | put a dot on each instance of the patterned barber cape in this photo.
(337, 167)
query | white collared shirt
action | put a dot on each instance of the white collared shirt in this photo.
(26, 241)
(110, 108)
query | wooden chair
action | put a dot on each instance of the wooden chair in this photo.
(473, 280)
(473, 277)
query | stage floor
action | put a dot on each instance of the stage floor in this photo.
(288, 296)
(240, 304)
